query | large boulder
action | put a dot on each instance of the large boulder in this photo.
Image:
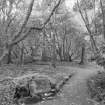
(35, 83)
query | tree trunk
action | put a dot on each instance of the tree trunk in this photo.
(86, 22)
(59, 52)
(6, 56)
(21, 56)
(95, 50)
(54, 52)
(44, 55)
(9, 57)
(103, 16)
(44, 46)
(82, 55)
(70, 60)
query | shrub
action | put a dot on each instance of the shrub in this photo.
(96, 87)
(7, 89)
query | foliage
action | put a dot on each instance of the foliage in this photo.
(41, 87)
(84, 4)
(41, 84)
(96, 87)
(7, 90)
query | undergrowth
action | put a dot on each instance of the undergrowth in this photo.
(96, 87)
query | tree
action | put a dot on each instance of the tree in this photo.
(18, 37)
(84, 14)
(103, 16)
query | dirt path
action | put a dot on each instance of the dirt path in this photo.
(75, 92)
(77, 88)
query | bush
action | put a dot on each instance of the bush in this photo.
(7, 89)
(8, 86)
(96, 87)
(39, 83)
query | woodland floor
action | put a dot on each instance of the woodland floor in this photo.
(74, 92)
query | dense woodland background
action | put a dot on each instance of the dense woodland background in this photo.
(48, 30)
(55, 37)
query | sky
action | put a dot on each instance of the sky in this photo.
(70, 4)
(77, 18)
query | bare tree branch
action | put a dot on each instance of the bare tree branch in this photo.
(48, 19)
(20, 38)
(52, 12)
(18, 34)
(86, 22)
